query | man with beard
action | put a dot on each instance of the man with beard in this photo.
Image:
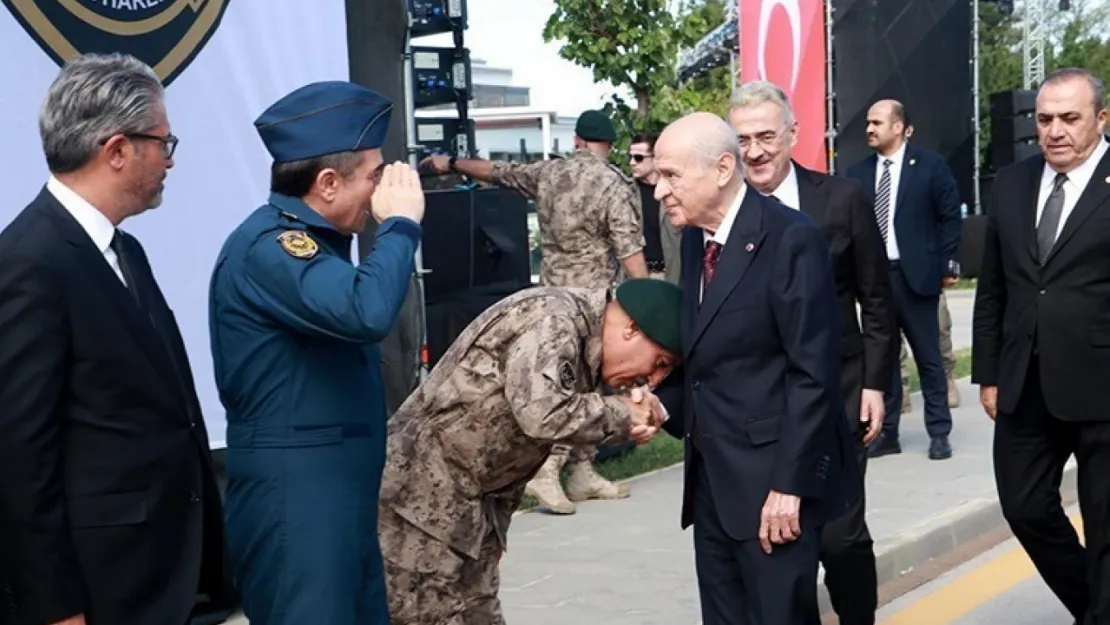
(522, 377)
(295, 328)
(767, 130)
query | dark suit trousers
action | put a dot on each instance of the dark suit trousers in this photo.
(847, 551)
(741, 585)
(1031, 448)
(918, 319)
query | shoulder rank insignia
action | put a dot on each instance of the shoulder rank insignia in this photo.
(566, 376)
(298, 244)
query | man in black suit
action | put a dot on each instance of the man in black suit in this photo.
(767, 130)
(109, 507)
(758, 400)
(1039, 340)
(917, 209)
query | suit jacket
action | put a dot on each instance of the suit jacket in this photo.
(760, 380)
(108, 500)
(840, 209)
(927, 219)
(1058, 309)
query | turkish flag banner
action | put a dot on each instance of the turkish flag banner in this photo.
(783, 41)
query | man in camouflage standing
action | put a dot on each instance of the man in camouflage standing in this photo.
(590, 230)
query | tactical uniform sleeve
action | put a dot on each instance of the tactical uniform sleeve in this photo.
(521, 177)
(325, 295)
(541, 377)
(626, 231)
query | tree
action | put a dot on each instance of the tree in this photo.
(633, 44)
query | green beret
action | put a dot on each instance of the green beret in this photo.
(595, 126)
(656, 307)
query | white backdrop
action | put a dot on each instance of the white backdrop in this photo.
(261, 50)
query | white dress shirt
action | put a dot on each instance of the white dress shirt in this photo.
(787, 191)
(1073, 188)
(92, 221)
(721, 235)
(896, 161)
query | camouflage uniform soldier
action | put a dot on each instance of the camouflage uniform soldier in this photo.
(590, 229)
(946, 353)
(526, 374)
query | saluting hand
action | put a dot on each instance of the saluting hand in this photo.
(398, 194)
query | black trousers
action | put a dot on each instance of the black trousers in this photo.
(739, 584)
(847, 550)
(918, 319)
(1031, 447)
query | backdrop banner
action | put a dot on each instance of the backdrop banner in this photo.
(783, 41)
(224, 62)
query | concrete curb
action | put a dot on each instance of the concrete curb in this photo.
(941, 534)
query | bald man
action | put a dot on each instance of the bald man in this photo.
(917, 207)
(768, 455)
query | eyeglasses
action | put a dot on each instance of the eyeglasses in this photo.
(169, 142)
(639, 158)
(764, 139)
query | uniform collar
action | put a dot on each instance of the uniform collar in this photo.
(297, 210)
(594, 315)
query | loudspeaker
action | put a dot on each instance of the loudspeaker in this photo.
(1013, 129)
(474, 238)
(1003, 154)
(1013, 103)
(970, 253)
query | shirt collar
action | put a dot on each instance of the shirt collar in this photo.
(896, 158)
(1081, 175)
(787, 191)
(721, 235)
(296, 209)
(91, 220)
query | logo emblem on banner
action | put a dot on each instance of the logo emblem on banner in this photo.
(165, 34)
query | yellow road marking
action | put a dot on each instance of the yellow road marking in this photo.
(974, 589)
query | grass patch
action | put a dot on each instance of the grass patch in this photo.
(963, 284)
(664, 450)
(962, 370)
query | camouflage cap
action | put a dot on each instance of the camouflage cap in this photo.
(595, 126)
(656, 307)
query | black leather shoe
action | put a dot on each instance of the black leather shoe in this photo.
(883, 445)
(939, 449)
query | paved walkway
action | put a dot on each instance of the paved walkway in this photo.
(627, 562)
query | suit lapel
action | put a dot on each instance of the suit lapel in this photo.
(744, 241)
(1096, 193)
(693, 246)
(811, 193)
(1028, 209)
(905, 178)
(105, 281)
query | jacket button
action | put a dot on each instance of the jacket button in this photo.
(194, 498)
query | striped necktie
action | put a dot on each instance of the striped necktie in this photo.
(882, 200)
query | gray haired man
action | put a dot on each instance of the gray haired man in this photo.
(109, 508)
(765, 125)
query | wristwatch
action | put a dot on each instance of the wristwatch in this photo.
(451, 163)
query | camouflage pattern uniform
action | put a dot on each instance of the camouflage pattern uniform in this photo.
(947, 353)
(589, 218)
(523, 376)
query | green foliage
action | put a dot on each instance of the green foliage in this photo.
(1075, 40)
(632, 44)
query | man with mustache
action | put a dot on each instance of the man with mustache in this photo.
(917, 208)
(767, 130)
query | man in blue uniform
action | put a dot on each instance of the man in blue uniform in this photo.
(294, 327)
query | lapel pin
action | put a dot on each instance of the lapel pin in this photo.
(912, 161)
(749, 247)
(1108, 180)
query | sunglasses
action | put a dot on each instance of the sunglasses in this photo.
(639, 158)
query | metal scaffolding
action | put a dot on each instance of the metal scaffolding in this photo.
(1033, 42)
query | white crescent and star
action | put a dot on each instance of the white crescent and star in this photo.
(794, 15)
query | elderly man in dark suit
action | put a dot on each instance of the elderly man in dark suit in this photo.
(764, 122)
(1040, 336)
(918, 212)
(108, 500)
(768, 453)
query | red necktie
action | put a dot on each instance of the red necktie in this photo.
(709, 261)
